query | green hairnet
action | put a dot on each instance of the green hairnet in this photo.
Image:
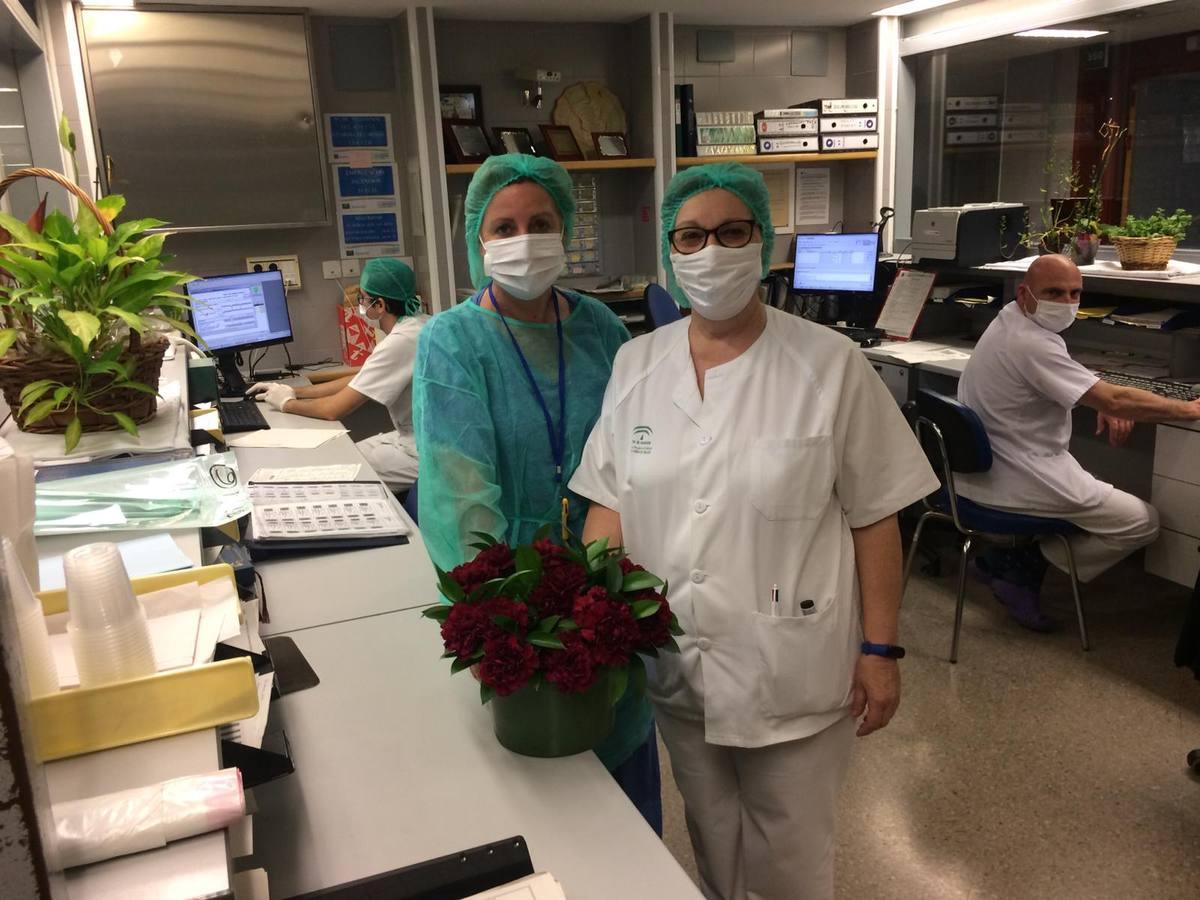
(392, 280)
(499, 172)
(742, 181)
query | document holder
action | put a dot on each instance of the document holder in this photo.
(444, 878)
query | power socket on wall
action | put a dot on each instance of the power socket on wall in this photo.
(331, 269)
(288, 265)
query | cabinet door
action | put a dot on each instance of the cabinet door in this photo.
(206, 119)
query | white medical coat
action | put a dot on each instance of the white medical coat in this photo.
(1023, 384)
(756, 484)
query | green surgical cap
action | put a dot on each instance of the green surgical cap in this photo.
(742, 181)
(499, 172)
(390, 278)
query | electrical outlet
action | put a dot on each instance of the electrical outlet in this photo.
(288, 265)
(331, 269)
(549, 75)
(350, 268)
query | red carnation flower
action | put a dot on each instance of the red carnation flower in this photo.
(494, 562)
(466, 628)
(627, 565)
(508, 663)
(607, 625)
(655, 630)
(504, 606)
(571, 669)
(500, 556)
(555, 593)
(550, 552)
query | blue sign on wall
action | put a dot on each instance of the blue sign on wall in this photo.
(347, 132)
(369, 228)
(368, 181)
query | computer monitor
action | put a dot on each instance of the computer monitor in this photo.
(835, 263)
(232, 313)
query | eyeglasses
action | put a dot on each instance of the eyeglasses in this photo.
(692, 239)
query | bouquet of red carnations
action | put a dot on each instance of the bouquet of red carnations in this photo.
(543, 614)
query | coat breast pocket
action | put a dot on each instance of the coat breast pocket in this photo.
(792, 478)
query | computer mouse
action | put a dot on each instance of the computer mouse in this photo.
(257, 397)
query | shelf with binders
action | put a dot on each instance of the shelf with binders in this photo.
(774, 159)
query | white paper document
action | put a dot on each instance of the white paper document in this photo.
(542, 886)
(346, 472)
(904, 303)
(812, 196)
(287, 438)
(330, 490)
(142, 556)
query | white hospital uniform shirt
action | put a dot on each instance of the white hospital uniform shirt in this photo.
(757, 484)
(1023, 384)
(386, 377)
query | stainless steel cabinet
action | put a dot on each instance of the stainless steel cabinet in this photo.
(206, 119)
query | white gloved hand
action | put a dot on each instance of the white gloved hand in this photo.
(277, 395)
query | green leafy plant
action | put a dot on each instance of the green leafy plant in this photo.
(1157, 225)
(69, 292)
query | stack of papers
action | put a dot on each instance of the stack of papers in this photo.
(913, 352)
(347, 472)
(287, 438)
(542, 886)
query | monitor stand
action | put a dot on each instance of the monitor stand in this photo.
(232, 382)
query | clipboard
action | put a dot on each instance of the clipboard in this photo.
(905, 301)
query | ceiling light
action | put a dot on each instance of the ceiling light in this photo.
(912, 6)
(1068, 33)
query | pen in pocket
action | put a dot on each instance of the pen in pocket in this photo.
(807, 607)
(774, 599)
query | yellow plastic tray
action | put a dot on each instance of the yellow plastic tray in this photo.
(56, 601)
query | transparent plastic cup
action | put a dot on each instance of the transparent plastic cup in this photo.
(107, 625)
(40, 671)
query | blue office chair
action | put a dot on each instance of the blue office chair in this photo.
(410, 503)
(661, 308)
(954, 439)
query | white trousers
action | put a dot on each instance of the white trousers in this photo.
(393, 458)
(762, 820)
(1113, 530)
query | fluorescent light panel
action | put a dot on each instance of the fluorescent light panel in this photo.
(1067, 33)
(913, 6)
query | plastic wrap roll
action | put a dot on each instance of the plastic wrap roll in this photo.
(111, 825)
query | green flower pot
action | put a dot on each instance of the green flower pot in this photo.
(546, 722)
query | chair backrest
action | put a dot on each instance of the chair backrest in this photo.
(963, 437)
(410, 503)
(661, 308)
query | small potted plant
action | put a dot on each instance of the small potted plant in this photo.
(555, 636)
(79, 304)
(1147, 243)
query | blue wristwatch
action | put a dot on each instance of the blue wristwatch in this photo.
(890, 651)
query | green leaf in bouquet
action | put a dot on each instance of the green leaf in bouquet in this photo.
(8, 337)
(83, 325)
(439, 612)
(528, 560)
(519, 584)
(644, 609)
(618, 683)
(546, 626)
(450, 588)
(676, 628)
(465, 662)
(546, 641)
(127, 424)
(612, 576)
(486, 693)
(40, 411)
(596, 550)
(484, 538)
(637, 676)
(73, 434)
(568, 625)
(640, 581)
(671, 646)
(34, 390)
(487, 590)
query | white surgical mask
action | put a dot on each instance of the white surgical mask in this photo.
(1053, 316)
(719, 281)
(527, 265)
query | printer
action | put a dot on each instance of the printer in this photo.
(970, 235)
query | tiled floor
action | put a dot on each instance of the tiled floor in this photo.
(1030, 769)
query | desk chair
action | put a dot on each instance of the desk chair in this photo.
(661, 308)
(954, 439)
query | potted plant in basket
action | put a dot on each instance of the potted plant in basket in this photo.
(78, 346)
(555, 635)
(1071, 220)
(1147, 243)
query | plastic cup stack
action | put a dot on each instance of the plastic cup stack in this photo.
(107, 624)
(40, 670)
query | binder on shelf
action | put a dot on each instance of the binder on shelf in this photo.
(990, 101)
(789, 145)
(971, 120)
(837, 143)
(843, 106)
(847, 123)
(959, 138)
(727, 117)
(685, 99)
(792, 112)
(786, 127)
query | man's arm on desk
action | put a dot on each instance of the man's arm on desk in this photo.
(332, 401)
(1119, 402)
(324, 389)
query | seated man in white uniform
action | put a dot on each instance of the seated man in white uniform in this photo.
(1023, 384)
(386, 296)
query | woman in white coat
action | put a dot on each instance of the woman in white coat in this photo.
(756, 461)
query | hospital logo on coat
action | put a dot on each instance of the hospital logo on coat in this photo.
(643, 439)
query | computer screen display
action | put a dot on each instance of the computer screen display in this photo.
(835, 263)
(241, 311)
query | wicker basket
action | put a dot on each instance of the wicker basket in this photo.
(1144, 253)
(16, 371)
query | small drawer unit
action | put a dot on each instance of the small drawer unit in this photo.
(1176, 495)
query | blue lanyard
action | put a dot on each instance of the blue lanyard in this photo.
(558, 443)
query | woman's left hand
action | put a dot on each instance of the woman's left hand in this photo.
(876, 692)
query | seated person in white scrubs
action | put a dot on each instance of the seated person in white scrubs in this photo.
(756, 461)
(1023, 384)
(387, 297)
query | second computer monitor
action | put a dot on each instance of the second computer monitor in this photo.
(835, 263)
(241, 311)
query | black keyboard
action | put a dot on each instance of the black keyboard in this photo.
(866, 337)
(1173, 390)
(241, 415)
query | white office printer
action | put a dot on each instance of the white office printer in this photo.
(970, 235)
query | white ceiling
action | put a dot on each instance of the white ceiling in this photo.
(790, 13)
